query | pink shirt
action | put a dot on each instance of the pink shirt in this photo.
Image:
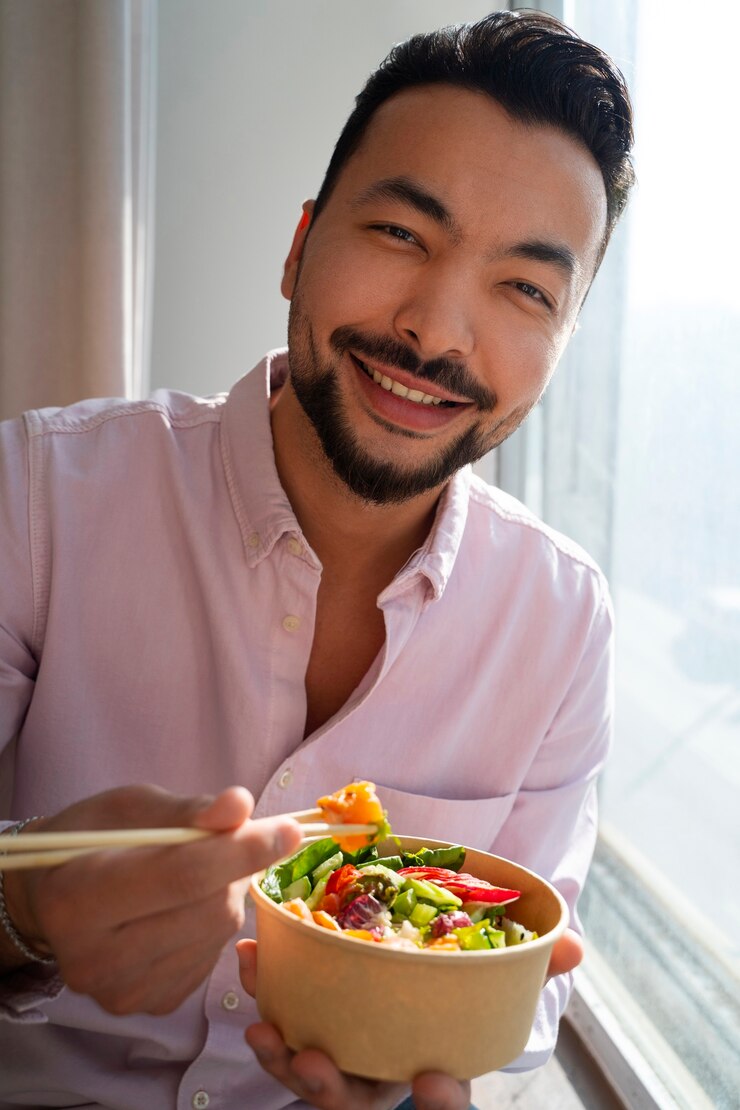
(157, 603)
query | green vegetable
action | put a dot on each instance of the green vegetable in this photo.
(368, 854)
(453, 857)
(280, 876)
(326, 868)
(516, 934)
(422, 914)
(317, 893)
(405, 903)
(301, 888)
(430, 892)
(393, 863)
(472, 937)
(497, 937)
(379, 881)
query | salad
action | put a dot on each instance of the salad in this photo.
(412, 900)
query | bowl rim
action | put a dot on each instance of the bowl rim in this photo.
(329, 936)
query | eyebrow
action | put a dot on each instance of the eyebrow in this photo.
(539, 250)
(407, 192)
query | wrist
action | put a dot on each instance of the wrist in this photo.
(19, 941)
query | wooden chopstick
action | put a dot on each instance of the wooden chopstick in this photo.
(49, 849)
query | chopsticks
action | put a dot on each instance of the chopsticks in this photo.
(49, 849)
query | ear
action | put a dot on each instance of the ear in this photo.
(292, 262)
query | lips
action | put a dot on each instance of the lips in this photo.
(408, 393)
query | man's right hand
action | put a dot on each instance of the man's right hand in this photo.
(138, 929)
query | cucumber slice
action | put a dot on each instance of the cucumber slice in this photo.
(405, 903)
(329, 865)
(422, 914)
(301, 888)
(313, 899)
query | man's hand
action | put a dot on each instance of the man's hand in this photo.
(139, 929)
(567, 953)
(312, 1076)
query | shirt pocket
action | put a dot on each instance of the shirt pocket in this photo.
(474, 822)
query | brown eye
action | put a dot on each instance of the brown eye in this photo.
(395, 232)
(532, 292)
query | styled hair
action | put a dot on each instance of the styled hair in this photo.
(535, 67)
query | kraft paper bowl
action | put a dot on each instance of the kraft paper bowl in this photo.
(388, 1014)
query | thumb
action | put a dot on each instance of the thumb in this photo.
(567, 953)
(230, 809)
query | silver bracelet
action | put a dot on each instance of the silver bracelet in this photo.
(7, 925)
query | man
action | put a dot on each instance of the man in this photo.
(302, 584)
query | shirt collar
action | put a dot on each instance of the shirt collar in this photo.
(261, 505)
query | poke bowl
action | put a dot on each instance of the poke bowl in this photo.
(389, 1013)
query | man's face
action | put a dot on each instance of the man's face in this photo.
(438, 287)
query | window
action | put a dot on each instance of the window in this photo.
(635, 452)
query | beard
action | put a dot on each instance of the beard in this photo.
(383, 480)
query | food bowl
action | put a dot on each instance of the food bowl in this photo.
(386, 1013)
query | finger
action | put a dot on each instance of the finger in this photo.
(567, 953)
(314, 1077)
(121, 885)
(274, 1056)
(331, 1089)
(229, 810)
(246, 951)
(436, 1091)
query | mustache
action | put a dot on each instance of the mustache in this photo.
(446, 373)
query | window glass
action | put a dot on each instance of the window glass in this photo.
(674, 542)
(636, 453)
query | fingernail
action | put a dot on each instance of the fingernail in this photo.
(311, 1084)
(264, 1055)
(283, 840)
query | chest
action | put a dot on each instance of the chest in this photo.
(349, 633)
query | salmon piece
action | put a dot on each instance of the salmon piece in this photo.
(298, 907)
(356, 804)
(326, 921)
(362, 934)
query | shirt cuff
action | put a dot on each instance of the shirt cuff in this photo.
(24, 991)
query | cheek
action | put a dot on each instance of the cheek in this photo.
(520, 362)
(346, 288)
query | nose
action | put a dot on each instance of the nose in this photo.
(436, 314)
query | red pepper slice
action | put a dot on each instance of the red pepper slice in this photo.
(464, 886)
(340, 879)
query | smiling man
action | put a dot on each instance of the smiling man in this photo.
(321, 589)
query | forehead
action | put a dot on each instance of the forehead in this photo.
(499, 177)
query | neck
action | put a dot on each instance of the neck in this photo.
(343, 529)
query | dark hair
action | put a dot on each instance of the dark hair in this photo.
(535, 67)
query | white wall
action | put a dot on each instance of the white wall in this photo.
(252, 96)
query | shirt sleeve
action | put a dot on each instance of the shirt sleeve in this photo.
(17, 661)
(24, 989)
(553, 824)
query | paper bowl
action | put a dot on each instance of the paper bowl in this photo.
(389, 1014)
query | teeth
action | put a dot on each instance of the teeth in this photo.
(392, 386)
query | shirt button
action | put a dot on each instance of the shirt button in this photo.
(295, 547)
(200, 1100)
(291, 623)
(286, 778)
(230, 1000)
(253, 541)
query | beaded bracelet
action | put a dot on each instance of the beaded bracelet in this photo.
(7, 925)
